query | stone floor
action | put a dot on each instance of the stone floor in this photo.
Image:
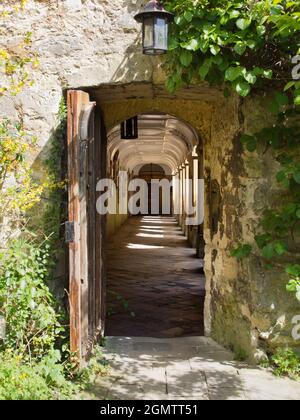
(190, 368)
(152, 268)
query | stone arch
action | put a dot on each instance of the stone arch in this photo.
(218, 122)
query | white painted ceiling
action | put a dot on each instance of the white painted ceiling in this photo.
(163, 140)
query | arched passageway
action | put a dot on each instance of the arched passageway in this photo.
(201, 137)
(155, 278)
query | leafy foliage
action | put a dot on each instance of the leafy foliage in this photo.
(286, 363)
(43, 380)
(25, 301)
(30, 364)
(240, 43)
(293, 270)
(18, 191)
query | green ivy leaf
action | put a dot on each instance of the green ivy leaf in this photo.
(268, 74)
(234, 14)
(173, 43)
(242, 88)
(297, 100)
(276, 9)
(250, 77)
(290, 209)
(243, 24)
(289, 85)
(297, 177)
(215, 49)
(280, 248)
(232, 73)
(242, 251)
(268, 251)
(192, 45)
(252, 145)
(293, 270)
(179, 20)
(250, 142)
(262, 240)
(251, 44)
(188, 15)
(186, 58)
(261, 30)
(240, 47)
(204, 69)
(281, 177)
(170, 85)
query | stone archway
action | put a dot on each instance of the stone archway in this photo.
(229, 195)
(194, 107)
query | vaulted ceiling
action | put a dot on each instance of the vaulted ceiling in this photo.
(163, 140)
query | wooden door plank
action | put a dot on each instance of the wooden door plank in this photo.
(84, 227)
(92, 159)
(74, 216)
(99, 277)
(102, 173)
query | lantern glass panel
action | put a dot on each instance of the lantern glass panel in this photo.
(161, 34)
(148, 32)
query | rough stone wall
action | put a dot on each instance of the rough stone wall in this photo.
(79, 43)
(250, 309)
(95, 42)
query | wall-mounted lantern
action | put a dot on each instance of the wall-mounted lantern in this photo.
(155, 20)
(129, 129)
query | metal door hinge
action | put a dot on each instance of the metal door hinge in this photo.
(70, 232)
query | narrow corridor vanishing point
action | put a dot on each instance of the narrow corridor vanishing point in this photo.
(152, 269)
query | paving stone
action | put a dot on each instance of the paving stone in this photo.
(227, 394)
(174, 365)
(262, 385)
(188, 389)
(125, 391)
(157, 377)
(223, 379)
(212, 364)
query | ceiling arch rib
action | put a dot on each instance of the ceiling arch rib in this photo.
(163, 139)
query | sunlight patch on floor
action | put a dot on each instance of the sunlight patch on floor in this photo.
(150, 235)
(140, 246)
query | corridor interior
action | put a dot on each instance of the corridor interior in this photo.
(156, 285)
(155, 277)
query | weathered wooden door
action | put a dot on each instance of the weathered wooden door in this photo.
(85, 229)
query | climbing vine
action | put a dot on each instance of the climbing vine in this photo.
(243, 44)
(249, 47)
(31, 365)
